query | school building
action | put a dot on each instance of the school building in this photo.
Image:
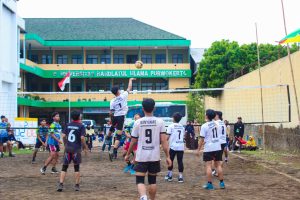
(99, 53)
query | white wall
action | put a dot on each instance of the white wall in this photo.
(9, 66)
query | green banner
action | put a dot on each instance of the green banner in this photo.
(121, 73)
(159, 73)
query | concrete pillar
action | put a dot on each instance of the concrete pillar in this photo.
(53, 57)
(84, 55)
(167, 55)
(140, 54)
(111, 55)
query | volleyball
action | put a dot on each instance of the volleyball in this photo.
(139, 64)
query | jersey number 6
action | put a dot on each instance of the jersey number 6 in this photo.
(71, 136)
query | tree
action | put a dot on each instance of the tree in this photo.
(225, 61)
(196, 109)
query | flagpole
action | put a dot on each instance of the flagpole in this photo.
(70, 97)
(261, 95)
(291, 65)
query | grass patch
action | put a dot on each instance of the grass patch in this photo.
(22, 151)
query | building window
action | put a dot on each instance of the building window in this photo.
(76, 87)
(147, 86)
(77, 59)
(105, 59)
(177, 58)
(161, 86)
(119, 58)
(46, 59)
(147, 58)
(135, 86)
(34, 58)
(160, 58)
(62, 59)
(92, 59)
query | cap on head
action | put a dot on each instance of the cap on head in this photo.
(148, 105)
(114, 90)
(2, 117)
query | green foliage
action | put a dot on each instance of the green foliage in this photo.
(226, 60)
(196, 108)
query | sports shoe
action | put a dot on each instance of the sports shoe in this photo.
(132, 171)
(76, 187)
(54, 171)
(180, 179)
(222, 185)
(127, 168)
(11, 155)
(208, 186)
(60, 187)
(170, 178)
(33, 162)
(43, 171)
(226, 160)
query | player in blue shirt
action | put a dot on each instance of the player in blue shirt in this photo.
(41, 138)
(53, 142)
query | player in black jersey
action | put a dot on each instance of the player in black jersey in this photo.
(73, 138)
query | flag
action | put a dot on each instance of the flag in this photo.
(292, 37)
(64, 81)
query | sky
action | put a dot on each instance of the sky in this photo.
(201, 21)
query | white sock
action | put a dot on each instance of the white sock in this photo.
(180, 175)
(169, 173)
(144, 197)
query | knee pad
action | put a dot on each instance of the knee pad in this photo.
(140, 180)
(65, 168)
(151, 179)
(76, 168)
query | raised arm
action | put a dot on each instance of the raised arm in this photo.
(130, 84)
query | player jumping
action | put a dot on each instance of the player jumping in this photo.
(73, 138)
(118, 110)
(149, 132)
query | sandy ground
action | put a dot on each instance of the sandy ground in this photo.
(102, 179)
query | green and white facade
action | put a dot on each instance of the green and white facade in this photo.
(99, 53)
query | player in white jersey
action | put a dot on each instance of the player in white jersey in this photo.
(118, 110)
(149, 132)
(176, 135)
(221, 129)
(212, 149)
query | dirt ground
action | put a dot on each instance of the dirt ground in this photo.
(102, 179)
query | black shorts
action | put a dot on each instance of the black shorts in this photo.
(223, 146)
(151, 167)
(69, 157)
(3, 140)
(38, 144)
(118, 122)
(214, 155)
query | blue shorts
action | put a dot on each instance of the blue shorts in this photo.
(3, 140)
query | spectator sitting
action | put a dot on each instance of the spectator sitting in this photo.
(251, 144)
